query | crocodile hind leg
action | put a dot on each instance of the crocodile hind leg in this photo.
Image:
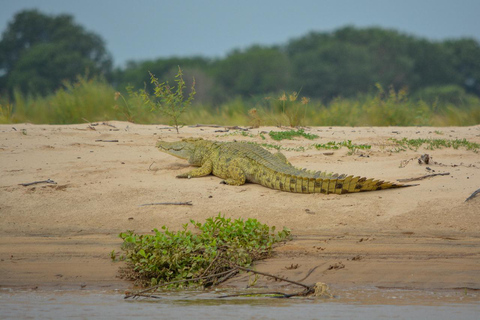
(203, 171)
(235, 174)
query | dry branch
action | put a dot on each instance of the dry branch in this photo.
(186, 203)
(424, 177)
(37, 182)
(473, 195)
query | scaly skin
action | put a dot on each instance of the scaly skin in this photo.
(239, 162)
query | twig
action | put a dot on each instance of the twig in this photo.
(108, 124)
(226, 277)
(187, 203)
(205, 125)
(37, 182)
(404, 163)
(424, 177)
(277, 294)
(309, 273)
(151, 165)
(473, 195)
(101, 140)
(275, 277)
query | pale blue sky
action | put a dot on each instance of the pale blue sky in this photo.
(149, 29)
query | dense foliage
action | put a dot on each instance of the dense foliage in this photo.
(38, 52)
(326, 65)
(218, 245)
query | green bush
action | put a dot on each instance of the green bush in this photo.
(218, 245)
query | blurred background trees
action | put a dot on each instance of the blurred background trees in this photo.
(38, 52)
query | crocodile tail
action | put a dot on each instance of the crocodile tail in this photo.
(334, 183)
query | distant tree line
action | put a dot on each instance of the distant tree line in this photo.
(38, 52)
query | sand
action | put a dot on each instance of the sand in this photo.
(61, 235)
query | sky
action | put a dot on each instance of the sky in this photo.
(151, 29)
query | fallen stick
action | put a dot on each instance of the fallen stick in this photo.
(274, 294)
(205, 125)
(275, 277)
(473, 195)
(108, 124)
(187, 203)
(424, 177)
(101, 140)
(37, 182)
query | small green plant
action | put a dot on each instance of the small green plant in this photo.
(170, 100)
(113, 255)
(215, 247)
(347, 143)
(432, 144)
(6, 112)
(293, 110)
(281, 135)
(133, 108)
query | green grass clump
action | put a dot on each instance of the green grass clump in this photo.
(432, 144)
(76, 102)
(281, 135)
(218, 245)
(347, 143)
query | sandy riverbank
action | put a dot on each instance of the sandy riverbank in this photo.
(61, 235)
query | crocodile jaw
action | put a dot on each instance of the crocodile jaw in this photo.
(179, 149)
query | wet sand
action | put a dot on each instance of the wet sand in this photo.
(59, 236)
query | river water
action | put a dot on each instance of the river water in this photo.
(390, 304)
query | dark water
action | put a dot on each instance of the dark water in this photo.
(110, 305)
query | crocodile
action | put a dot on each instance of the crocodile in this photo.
(240, 162)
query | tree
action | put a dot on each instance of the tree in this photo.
(464, 55)
(325, 68)
(256, 70)
(38, 52)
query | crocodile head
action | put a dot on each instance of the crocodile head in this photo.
(183, 149)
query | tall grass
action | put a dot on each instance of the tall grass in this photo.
(95, 100)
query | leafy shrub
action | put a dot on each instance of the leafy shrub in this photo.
(170, 100)
(220, 243)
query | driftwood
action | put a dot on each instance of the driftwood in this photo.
(37, 182)
(318, 289)
(473, 195)
(187, 203)
(424, 177)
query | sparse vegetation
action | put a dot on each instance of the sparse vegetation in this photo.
(281, 135)
(347, 143)
(170, 100)
(431, 144)
(214, 247)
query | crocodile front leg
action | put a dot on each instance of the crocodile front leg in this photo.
(203, 171)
